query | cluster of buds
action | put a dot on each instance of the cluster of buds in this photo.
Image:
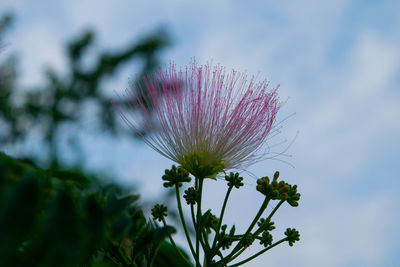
(292, 236)
(266, 225)
(209, 221)
(226, 240)
(271, 189)
(213, 122)
(175, 176)
(234, 179)
(191, 196)
(266, 239)
(275, 190)
(159, 212)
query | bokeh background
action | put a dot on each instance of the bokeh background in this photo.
(338, 65)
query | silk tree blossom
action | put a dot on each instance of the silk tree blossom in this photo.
(204, 118)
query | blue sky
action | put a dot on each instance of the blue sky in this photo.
(338, 64)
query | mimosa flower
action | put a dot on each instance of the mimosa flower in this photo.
(204, 118)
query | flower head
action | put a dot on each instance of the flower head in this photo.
(206, 119)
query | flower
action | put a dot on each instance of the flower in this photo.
(206, 119)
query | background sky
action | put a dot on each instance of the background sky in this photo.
(338, 65)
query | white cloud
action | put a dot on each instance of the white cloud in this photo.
(360, 108)
(353, 230)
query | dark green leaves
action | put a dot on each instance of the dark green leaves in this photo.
(64, 218)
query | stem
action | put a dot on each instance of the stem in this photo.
(198, 220)
(204, 243)
(238, 246)
(173, 244)
(259, 253)
(158, 247)
(193, 217)
(269, 217)
(178, 199)
(220, 218)
(237, 254)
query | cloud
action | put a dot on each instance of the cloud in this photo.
(354, 231)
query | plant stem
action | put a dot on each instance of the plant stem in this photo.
(259, 230)
(193, 216)
(220, 219)
(158, 247)
(238, 254)
(204, 243)
(238, 246)
(198, 219)
(178, 199)
(173, 244)
(259, 253)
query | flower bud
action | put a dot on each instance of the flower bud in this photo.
(191, 196)
(234, 180)
(266, 239)
(159, 212)
(292, 236)
(175, 176)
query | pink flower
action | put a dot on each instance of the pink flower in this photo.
(210, 121)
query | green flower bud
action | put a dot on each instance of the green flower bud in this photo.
(175, 176)
(266, 225)
(273, 190)
(292, 236)
(266, 239)
(293, 197)
(234, 180)
(159, 212)
(247, 240)
(191, 196)
(209, 220)
(223, 227)
(226, 240)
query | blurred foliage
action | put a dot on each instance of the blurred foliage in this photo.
(64, 97)
(54, 217)
(65, 218)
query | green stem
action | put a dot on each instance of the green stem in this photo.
(178, 199)
(238, 246)
(193, 217)
(198, 219)
(158, 247)
(204, 242)
(238, 254)
(174, 245)
(220, 219)
(259, 253)
(269, 217)
(236, 238)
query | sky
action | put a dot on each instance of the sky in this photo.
(338, 67)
